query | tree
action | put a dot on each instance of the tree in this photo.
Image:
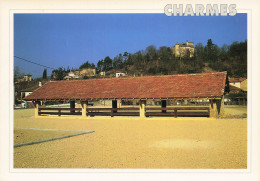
(209, 50)
(139, 57)
(68, 69)
(125, 57)
(150, 52)
(212, 51)
(44, 74)
(199, 51)
(118, 61)
(115, 62)
(108, 63)
(17, 72)
(223, 52)
(238, 58)
(152, 71)
(87, 65)
(231, 58)
(58, 74)
(130, 60)
(164, 53)
(100, 65)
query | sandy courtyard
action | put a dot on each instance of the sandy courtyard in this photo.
(131, 143)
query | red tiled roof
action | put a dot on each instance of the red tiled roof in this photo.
(168, 86)
(234, 89)
(231, 87)
(232, 80)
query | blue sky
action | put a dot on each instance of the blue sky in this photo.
(57, 40)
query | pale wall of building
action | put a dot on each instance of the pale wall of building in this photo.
(244, 85)
(236, 84)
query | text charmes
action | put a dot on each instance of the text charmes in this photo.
(200, 10)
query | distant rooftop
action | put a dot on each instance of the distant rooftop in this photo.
(232, 80)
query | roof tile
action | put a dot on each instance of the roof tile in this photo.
(167, 86)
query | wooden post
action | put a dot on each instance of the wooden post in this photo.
(142, 108)
(114, 105)
(111, 113)
(244, 101)
(175, 113)
(72, 105)
(84, 105)
(211, 103)
(163, 105)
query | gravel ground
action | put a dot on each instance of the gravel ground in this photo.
(154, 143)
(27, 135)
(235, 111)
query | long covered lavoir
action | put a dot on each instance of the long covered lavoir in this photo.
(202, 87)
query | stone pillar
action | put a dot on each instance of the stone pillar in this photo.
(114, 105)
(84, 106)
(163, 105)
(36, 109)
(220, 107)
(142, 108)
(72, 105)
(213, 108)
(120, 104)
(217, 107)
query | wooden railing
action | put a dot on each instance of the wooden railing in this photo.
(178, 111)
(131, 111)
(60, 111)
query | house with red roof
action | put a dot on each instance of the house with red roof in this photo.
(236, 81)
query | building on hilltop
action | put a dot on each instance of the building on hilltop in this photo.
(89, 72)
(25, 78)
(119, 74)
(102, 73)
(79, 74)
(183, 49)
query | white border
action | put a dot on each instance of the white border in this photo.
(27, 170)
(151, 174)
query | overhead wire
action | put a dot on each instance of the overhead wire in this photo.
(33, 62)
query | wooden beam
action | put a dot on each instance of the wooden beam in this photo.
(114, 105)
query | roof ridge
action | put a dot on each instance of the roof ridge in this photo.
(189, 74)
